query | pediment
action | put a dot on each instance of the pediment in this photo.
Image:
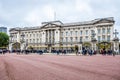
(12, 29)
(103, 21)
(51, 24)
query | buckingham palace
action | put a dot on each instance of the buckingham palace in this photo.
(58, 35)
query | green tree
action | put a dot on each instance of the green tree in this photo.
(4, 39)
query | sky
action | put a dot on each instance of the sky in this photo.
(29, 13)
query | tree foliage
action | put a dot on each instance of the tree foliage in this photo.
(4, 39)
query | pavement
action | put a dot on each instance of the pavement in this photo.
(55, 67)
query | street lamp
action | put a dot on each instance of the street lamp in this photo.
(116, 41)
(93, 40)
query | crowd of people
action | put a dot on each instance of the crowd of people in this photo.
(58, 52)
(3, 51)
(94, 52)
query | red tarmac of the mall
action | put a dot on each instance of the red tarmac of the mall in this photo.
(54, 67)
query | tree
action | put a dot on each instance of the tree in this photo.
(4, 39)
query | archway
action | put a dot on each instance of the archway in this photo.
(104, 45)
(16, 46)
(86, 45)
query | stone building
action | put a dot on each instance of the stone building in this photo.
(3, 29)
(57, 35)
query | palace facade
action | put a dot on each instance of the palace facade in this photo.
(58, 35)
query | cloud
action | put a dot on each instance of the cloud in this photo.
(83, 6)
(38, 15)
(33, 12)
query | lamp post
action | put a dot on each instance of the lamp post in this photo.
(116, 42)
(93, 40)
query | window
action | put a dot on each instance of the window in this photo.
(37, 40)
(30, 35)
(33, 35)
(30, 41)
(66, 39)
(27, 35)
(66, 33)
(40, 40)
(76, 33)
(99, 38)
(86, 37)
(103, 30)
(33, 40)
(61, 33)
(71, 33)
(71, 39)
(81, 32)
(103, 37)
(92, 31)
(26, 40)
(86, 32)
(108, 38)
(108, 30)
(99, 31)
(76, 39)
(80, 39)
(62, 39)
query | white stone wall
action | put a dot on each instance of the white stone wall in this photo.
(39, 35)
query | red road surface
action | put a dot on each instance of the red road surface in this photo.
(52, 67)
